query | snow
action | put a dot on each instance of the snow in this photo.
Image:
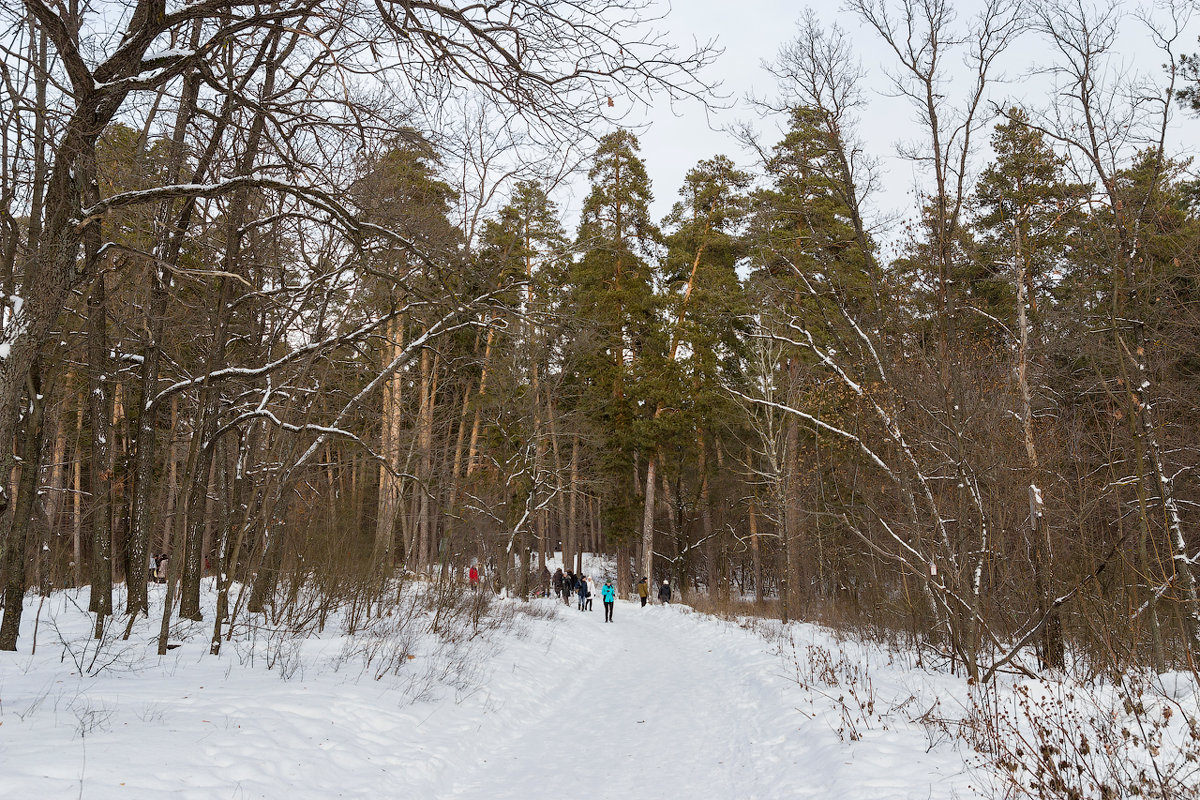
(541, 700)
(178, 52)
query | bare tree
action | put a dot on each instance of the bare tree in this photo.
(548, 69)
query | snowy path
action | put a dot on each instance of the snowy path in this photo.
(648, 709)
(665, 703)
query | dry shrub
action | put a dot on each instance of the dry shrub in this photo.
(834, 675)
(437, 633)
(732, 608)
(1096, 741)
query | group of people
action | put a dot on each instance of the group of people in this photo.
(158, 568)
(643, 590)
(568, 585)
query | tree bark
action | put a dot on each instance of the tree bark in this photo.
(571, 543)
(56, 486)
(22, 525)
(101, 460)
(792, 526)
(756, 553)
(647, 565)
(77, 498)
(389, 482)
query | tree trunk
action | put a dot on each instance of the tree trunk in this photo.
(101, 460)
(172, 499)
(473, 447)
(56, 486)
(560, 490)
(428, 389)
(647, 565)
(390, 498)
(624, 584)
(77, 497)
(712, 562)
(145, 445)
(673, 531)
(1052, 650)
(120, 511)
(756, 553)
(22, 523)
(792, 525)
(167, 250)
(456, 465)
(571, 542)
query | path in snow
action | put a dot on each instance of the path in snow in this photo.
(665, 703)
(650, 712)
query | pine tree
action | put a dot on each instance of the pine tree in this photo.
(613, 296)
(705, 308)
(1028, 211)
(525, 243)
(401, 191)
(808, 263)
(1028, 223)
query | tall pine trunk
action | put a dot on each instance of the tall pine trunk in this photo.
(390, 499)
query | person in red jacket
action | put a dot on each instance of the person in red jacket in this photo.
(474, 577)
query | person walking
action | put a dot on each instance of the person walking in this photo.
(582, 591)
(473, 576)
(643, 590)
(591, 591)
(664, 593)
(569, 587)
(608, 594)
(557, 582)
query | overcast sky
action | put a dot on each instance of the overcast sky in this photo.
(673, 140)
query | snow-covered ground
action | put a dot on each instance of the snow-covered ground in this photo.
(539, 700)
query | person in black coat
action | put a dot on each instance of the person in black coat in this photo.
(664, 593)
(557, 580)
(568, 586)
(582, 590)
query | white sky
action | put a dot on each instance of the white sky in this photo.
(753, 30)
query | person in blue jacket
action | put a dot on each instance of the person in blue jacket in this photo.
(609, 594)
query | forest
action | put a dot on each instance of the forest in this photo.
(288, 295)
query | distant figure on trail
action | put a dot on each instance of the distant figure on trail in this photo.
(591, 590)
(608, 593)
(664, 593)
(569, 587)
(557, 582)
(581, 588)
(643, 589)
(153, 566)
(473, 576)
(544, 585)
(161, 571)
